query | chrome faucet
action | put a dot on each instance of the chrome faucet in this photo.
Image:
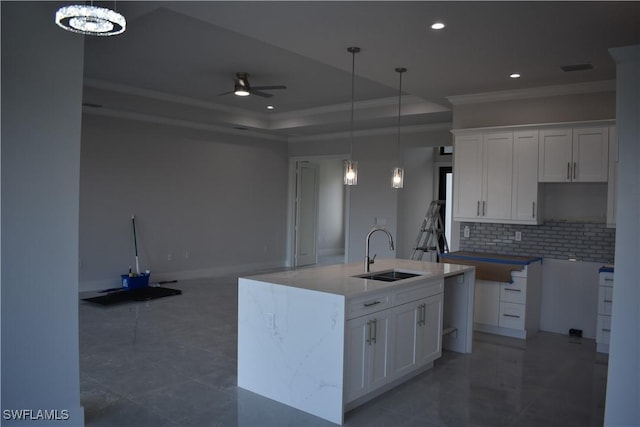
(368, 261)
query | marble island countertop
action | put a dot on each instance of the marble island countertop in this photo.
(338, 279)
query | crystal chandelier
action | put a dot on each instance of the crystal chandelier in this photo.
(90, 20)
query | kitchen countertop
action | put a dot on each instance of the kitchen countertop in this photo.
(492, 267)
(489, 257)
(337, 279)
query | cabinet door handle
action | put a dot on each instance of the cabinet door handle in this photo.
(512, 290)
(368, 332)
(484, 208)
(419, 322)
(575, 169)
(608, 280)
(511, 315)
(608, 300)
(375, 330)
(606, 330)
(533, 209)
(369, 304)
(478, 208)
(568, 170)
(424, 314)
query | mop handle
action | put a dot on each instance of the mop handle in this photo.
(135, 242)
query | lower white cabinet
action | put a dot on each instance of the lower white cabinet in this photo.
(510, 309)
(605, 301)
(417, 329)
(396, 333)
(368, 353)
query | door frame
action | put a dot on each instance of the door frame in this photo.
(291, 205)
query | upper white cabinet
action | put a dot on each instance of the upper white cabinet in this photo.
(525, 196)
(578, 154)
(612, 192)
(483, 176)
(499, 173)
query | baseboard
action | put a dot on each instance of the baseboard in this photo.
(219, 271)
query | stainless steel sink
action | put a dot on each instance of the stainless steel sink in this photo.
(388, 276)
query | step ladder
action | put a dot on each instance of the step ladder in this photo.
(431, 233)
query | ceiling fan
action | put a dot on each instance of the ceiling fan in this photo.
(243, 88)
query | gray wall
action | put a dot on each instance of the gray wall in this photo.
(623, 385)
(566, 108)
(42, 69)
(213, 204)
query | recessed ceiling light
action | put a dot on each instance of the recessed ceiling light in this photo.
(437, 26)
(514, 76)
(270, 107)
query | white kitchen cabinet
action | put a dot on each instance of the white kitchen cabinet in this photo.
(483, 176)
(510, 308)
(577, 154)
(417, 331)
(605, 303)
(525, 198)
(368, 351)
(612, 192)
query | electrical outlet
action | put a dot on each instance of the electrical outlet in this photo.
(466, 231)
(271, 321)
(170, 257)
(518, 236)
(187, 254)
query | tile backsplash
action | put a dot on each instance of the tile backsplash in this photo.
(592, 242)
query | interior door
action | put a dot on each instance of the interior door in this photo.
(306, 221)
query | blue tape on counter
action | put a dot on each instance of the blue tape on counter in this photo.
(606, 270)
(493, 260)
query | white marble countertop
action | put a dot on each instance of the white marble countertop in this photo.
(338, 279)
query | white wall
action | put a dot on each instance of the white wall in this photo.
(215, 204)
(42, 68)
(551, 109)
(623, 384)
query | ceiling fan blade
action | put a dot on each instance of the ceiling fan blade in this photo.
(268, 87)
(262, 94)
(225, 93)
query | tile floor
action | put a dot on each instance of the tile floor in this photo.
(172, 362)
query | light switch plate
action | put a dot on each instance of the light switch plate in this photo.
(518, 236)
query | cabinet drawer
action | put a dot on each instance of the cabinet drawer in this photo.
(605, 299)
(519, 273)
(369, 303)
(606, 279)
(515, 292)
(511, 315)
(604, 329)
(417, 291)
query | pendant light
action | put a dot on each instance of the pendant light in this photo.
(90, 20)
(397, 175)
(350, 165)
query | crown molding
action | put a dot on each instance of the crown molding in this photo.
(149, 118)
(374, 132)
(167, 97)
(534, 92)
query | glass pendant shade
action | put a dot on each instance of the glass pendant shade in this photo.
(350, 172)
(397, 178)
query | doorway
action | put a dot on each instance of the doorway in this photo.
(445, 188)
(327, 244)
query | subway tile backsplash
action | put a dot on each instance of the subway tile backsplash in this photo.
(592, 242)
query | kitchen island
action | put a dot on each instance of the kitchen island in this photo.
(325, 339)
